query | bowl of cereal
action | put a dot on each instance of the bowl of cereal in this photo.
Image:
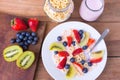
(64, 52)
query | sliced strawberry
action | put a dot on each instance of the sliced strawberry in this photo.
(61, 65)
(69, 40)
(33, 24)
(77, 36)
(78, 65)
(90, 41)
(77, 51)
(18, 24)
(96, 60)
(63, 53)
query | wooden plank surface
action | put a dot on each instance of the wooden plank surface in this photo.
(109, 19)
(35, 8)
(9, 71)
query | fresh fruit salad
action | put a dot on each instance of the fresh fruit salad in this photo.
(70, 53)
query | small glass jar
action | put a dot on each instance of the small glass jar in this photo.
(59, 10)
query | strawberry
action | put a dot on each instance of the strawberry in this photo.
(79, 65)
(77, 51)
(77, 36)
(90, 41)
(61, 65)
(69, 40)
(18, 24)
(33, 24)
(96, 60)
(63, 53)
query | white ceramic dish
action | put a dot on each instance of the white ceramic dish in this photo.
(51, 37)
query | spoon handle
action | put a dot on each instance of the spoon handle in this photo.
(103, 35)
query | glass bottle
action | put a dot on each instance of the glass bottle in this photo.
(90, 10)
(58, 10)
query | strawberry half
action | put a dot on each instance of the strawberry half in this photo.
(77, 36)
(63, 53)
(18, 24)
(61, 65)
(77, 51)
(33, 24)
(69, 40)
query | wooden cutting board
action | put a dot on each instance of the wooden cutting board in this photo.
(9, 71)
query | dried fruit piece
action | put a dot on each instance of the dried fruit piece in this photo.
(11, 53)
(25, 60)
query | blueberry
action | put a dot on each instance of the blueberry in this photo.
(18, 34)
(81, 32)
(23, 33)
(26, 43)
(65, 43)
(82, 62)
(73, 43)
(85, 70)
(34, 42)
(81, 36)
(29, 41)
(89, 63)
(84, 47)
(21, 37)
(35, 39)
(21, 43)
(33, 34)
(30, 38)
(59, 38)
(67, 66)
(27, 34)
(55, 52)
(72, 60)
(25, 38)
(18, 40)
(13, 40)
(24, 47)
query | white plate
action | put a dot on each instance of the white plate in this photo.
(51, 37)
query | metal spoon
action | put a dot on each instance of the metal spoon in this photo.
(103, 35)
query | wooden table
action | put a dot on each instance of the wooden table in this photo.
(109, 19)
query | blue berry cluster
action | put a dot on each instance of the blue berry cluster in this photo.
(24, 39)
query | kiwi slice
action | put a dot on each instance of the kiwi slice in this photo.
(85, 40)
(25, 60)
(71, 73)
(11, 53)
(56, 46)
